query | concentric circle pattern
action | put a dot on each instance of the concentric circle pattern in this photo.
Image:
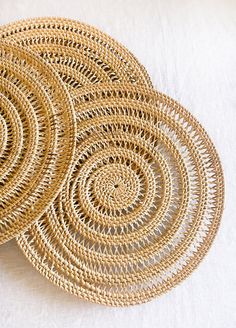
(37, 132)
(80, 53)
(142, 203)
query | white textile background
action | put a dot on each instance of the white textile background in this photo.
(189, 50)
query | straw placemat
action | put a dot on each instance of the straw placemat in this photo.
(81, 54)
(142, 203)
(37, 132)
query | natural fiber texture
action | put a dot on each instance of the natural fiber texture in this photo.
(37, 132)
(81, 54)
(142, 203)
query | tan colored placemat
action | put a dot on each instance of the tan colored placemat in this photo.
(142, 203)
(37, 138)
(80, 53)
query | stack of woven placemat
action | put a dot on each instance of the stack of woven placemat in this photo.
(113, 190)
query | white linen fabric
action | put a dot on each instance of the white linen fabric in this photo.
(189, 50)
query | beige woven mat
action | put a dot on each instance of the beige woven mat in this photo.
(80, 53)
(142, 203)
(37, 138)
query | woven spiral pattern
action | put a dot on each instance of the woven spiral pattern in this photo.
(37, 132)
(142, 203)
(80, 53)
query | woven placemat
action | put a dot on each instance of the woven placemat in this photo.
(142, 203)
(81, 54)
(37, 133)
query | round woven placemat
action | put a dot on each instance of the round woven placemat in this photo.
(37, 132)
(142, 203)
(80, 53)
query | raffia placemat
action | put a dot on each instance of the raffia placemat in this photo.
(80, 53)
(37, 138)
(142, 203)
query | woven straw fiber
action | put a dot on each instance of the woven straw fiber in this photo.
(80, 53)
(37, 133)
(142, 203)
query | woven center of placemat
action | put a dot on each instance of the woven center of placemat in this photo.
(115, 187)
